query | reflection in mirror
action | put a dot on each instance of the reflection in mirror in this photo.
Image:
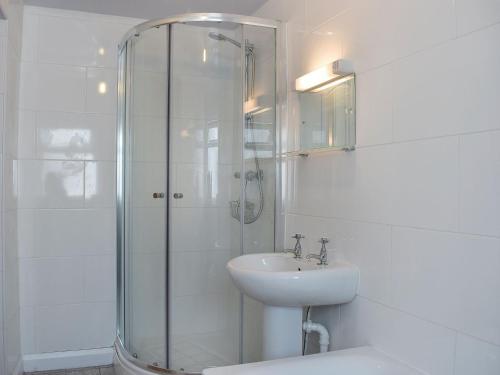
(327, 117)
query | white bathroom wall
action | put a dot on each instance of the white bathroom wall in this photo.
(66, 179)
(416, 206)
(10, 54)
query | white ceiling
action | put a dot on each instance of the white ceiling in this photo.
(150, 9)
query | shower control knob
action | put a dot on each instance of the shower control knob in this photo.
(158, 195)
(178, 195)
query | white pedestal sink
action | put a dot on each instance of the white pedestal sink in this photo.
(285, 285)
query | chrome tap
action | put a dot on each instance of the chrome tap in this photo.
(323, 254)
(297, 250)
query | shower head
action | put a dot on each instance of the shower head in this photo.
(216, 36)
(223, 38)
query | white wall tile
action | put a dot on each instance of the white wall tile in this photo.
(100, 184)
(429, 98)
(51, 281)
(101, 90)
(26, 233)
(85, 42)
(11, 265)
(420, 344)
(51, 184)
(30, 37)
(52, 87)
(377, 32)
(74, 327)
(351, 185)
(474, 356)
(475, 14)
(28, 330)
(3, 67)
(10, 183)
(425, 184)
(65, 122)
(374, 105)
(27, 135)
(100, 278)
(64, 135)
(103, 139)
(480, 183)
(319, 11)
(283, 10)
(319, 47)
(3, 27)
(448, 278)
(12, 342)
(51, 233)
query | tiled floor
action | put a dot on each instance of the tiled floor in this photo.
(108, 370)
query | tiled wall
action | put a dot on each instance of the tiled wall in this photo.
(66, 179)
(417, 205)
(10, 55)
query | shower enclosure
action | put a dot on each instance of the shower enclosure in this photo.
(196, 186)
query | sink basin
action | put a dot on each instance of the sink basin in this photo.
(278, 279)
(285, 284)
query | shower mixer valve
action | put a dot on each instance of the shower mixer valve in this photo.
(250, 175)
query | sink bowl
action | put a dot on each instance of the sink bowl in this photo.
(285, 284)
(278, 279)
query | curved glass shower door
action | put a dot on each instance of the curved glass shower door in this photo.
(197, 181)
(144, 256)
(205, 115)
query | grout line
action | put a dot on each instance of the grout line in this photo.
(429, 48)
(391, 291)
(434, 323)
(80, 15)
(394, 225)
(458, 134)
(62, 209)
(459, 184)
(455, 17)
(482, 28)
(108, 114)
(455, 353)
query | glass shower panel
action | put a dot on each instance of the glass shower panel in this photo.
(145, 203)
(205, 115)
(259, 168)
